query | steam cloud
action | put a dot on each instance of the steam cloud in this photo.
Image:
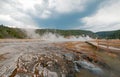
(48, 36)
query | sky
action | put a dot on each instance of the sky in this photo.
(93, 15)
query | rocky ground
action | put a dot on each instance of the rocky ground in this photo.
(35, 58)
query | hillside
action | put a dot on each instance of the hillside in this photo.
(6, 32)
(109, 34)
(66, 33)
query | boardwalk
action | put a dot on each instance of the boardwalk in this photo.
(102, 46)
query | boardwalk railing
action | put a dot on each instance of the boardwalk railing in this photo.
(107, 44)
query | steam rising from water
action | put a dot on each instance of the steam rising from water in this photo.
(57, 37)
(48, 36)
(32, 34)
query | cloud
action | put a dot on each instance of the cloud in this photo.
(48, 8)
(22, 13)
(66, 6)
(107, 17)
(13, 16)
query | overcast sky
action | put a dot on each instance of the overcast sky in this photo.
(94, 15)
